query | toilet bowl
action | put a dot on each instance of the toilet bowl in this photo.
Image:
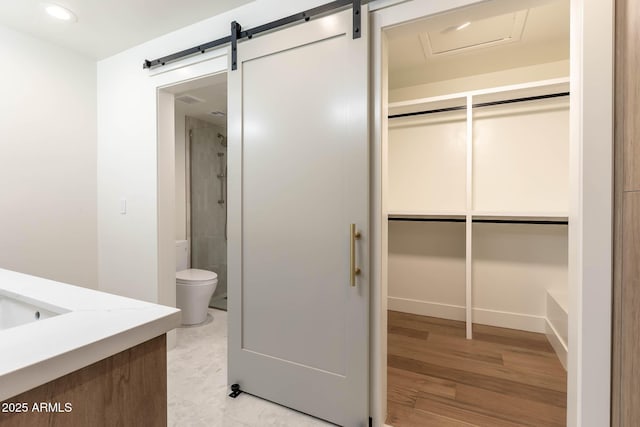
(194, 289)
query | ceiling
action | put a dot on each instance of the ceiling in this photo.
(106, 27)
(501, 35)
(210, 94)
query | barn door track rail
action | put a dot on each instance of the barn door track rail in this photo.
(237, 34)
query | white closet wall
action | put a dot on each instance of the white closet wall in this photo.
(521, 157)
(514, 265)
(428, 161)
(427, 267)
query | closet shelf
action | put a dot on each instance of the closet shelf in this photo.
(522, 216)
(523, 90)
(432, 215)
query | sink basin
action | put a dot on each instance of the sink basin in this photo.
(16, 311)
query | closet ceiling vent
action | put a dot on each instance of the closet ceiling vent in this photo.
(493, 31)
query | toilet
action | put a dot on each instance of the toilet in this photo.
(194, 287)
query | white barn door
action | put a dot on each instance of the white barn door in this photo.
(298, 180)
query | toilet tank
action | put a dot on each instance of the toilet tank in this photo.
(182, 255)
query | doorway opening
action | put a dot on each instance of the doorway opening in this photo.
(201, 178)
(476, 197)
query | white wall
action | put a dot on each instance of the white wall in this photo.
(427, 163)
(521, 157)
(514, 265)
(427, 268)
(48, 218)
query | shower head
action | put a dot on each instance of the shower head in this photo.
(223, 139)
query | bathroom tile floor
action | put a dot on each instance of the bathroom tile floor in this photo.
(197, 384)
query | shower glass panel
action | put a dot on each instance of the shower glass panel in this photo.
(208, 160)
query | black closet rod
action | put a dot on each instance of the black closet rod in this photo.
(516, 221)
(237, 34)
(481, 104)
(485, 221)
(428, 219)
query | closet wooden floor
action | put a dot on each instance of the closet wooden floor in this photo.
(502, 377)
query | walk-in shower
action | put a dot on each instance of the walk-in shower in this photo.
(223, 179)
(208, 196)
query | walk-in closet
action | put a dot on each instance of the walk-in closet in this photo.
(476, 196)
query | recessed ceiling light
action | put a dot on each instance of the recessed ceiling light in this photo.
(463, 26)
(59, 12)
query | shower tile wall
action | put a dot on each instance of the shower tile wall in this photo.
(208, 242)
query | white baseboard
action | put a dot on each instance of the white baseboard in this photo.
(557, 343)
(557, 323)
(503, 319)
(426, 308)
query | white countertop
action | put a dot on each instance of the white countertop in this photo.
(96, 325)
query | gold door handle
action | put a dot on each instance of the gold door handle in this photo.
(354, 271)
